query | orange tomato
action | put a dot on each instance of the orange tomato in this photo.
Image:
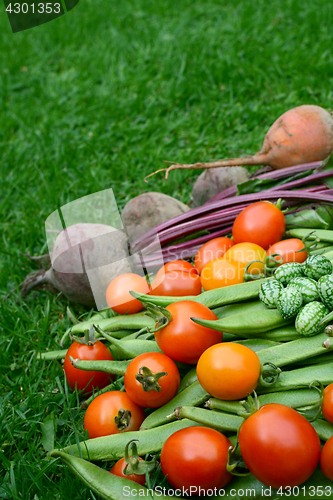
(246, 253)
(176, 284)
(289, 250)
(228, 371)
(221, 272)
(176, 265)
(262, 223)
(118, 297)
(213, 249)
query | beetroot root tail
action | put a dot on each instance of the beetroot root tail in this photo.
(257, 159)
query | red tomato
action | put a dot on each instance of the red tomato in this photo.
(84, 380)
(182, 339)
(279, 446)
(228, 371)
(289, 250)
(118, 470)
(103, 412)
(327, 407)
(166, 386)
(177, 265)
(326, 459)
(196, 457)
(118, 297)
(176, 284)
(246, 253)
(221, 272)
(212, 250)
(261, 223)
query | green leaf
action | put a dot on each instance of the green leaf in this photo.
(316, 219)
(48, 427)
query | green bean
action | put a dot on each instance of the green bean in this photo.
(257, 345)
(302, 377)
(112, 447)
(103, 365)
(188, 379)
(100, 481)
(211, 298)
(314, 360)
(322, 251)
(131, 348)
(282, 334)
(322, 234)
(297, 397)
(248, 324)
(237, 308)
(215, 419)
(193, 395)
(323, 428)
(51, 355)
(288, 352)
(126, 322)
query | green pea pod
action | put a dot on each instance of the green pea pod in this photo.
(296, 350)
(322, 234)
(323, 428)
(302, 377)
(282, 334)
(106, 485)
(112, 447)
(188, 379)
(216, 419)
(248, 324)
(257, 345)
(131, 348)
(193, 395)
(105, 366)
(131, 322)
(52, 355)
(211, 298)
(297, 397)
(124, 322)
(237, 308)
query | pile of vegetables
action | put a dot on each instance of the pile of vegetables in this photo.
(180, 383)
(213, 376)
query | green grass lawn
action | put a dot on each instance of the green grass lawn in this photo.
(97, 99)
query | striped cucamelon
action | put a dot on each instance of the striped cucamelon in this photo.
(325, 290)
(288, 271)
(307, 287)
(309, 317)
(268, 292)
(317, 266)
(289, 302)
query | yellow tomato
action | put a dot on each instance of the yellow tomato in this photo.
(245, 253)
(221, 272)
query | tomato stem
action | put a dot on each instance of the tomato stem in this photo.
(159, 314)
(148, 379)
(312, 405)
(122, 419)
(235, 461)
(250, 405)
(133, 464)
(88, 339)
